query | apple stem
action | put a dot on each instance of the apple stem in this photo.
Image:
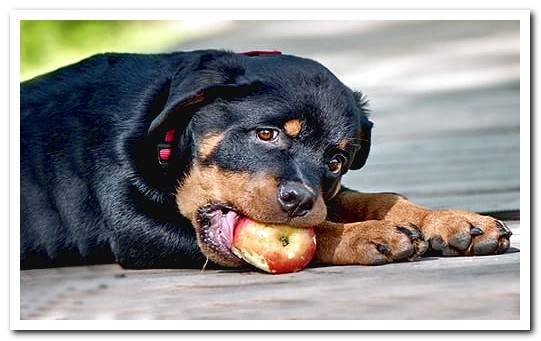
(284, 240)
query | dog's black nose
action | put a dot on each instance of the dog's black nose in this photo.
(295, 198)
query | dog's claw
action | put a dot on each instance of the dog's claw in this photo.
(383, 249)
(503, 229)
(475, 231)
(404, 230)
(413, 234)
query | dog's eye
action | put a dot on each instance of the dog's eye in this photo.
(266, 134)
(335, 166)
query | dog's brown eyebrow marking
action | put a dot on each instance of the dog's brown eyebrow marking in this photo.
(293, 127)
(351, 141)
(344, 143)
(208, 144)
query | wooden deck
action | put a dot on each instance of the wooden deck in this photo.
(445, 102)
(434, 288)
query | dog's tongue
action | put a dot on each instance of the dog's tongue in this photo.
(226, 223)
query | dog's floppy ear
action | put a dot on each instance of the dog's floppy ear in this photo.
(198, 83)
(364, 135)
(363, 141)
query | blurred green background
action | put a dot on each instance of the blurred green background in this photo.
(49, 44)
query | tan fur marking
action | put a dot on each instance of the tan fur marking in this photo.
(342, 244)
(254, 195)
(343, 144)
(349, 207)
(293, 127)
(207, 145)
(359, 221)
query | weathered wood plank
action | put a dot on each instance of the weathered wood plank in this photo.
(482, 169)
(434, 288)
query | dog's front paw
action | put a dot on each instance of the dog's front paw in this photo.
(380, 242)
(462, 233)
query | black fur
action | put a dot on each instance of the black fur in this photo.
(92, 190)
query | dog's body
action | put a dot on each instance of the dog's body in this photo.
(135, 158)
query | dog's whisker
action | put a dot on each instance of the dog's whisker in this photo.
(205, 264)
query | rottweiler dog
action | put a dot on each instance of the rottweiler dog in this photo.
(149, 160)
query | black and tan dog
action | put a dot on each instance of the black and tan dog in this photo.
(149, 160)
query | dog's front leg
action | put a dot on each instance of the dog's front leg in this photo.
(371, 242)
(449, 232)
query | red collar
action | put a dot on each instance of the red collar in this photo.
(165, 148)
(256, 53)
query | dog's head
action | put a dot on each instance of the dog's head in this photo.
(268, 137)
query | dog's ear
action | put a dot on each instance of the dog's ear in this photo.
(363, 142)
(199, 82)
(364, 134)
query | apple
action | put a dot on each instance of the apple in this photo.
(273, 248)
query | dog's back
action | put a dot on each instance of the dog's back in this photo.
(73, 124)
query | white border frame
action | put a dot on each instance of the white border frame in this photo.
(523, 15)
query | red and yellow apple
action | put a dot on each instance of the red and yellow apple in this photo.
(273, 248)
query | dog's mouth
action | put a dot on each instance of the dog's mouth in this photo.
(217, 224)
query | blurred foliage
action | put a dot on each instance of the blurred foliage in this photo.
(49, 44)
